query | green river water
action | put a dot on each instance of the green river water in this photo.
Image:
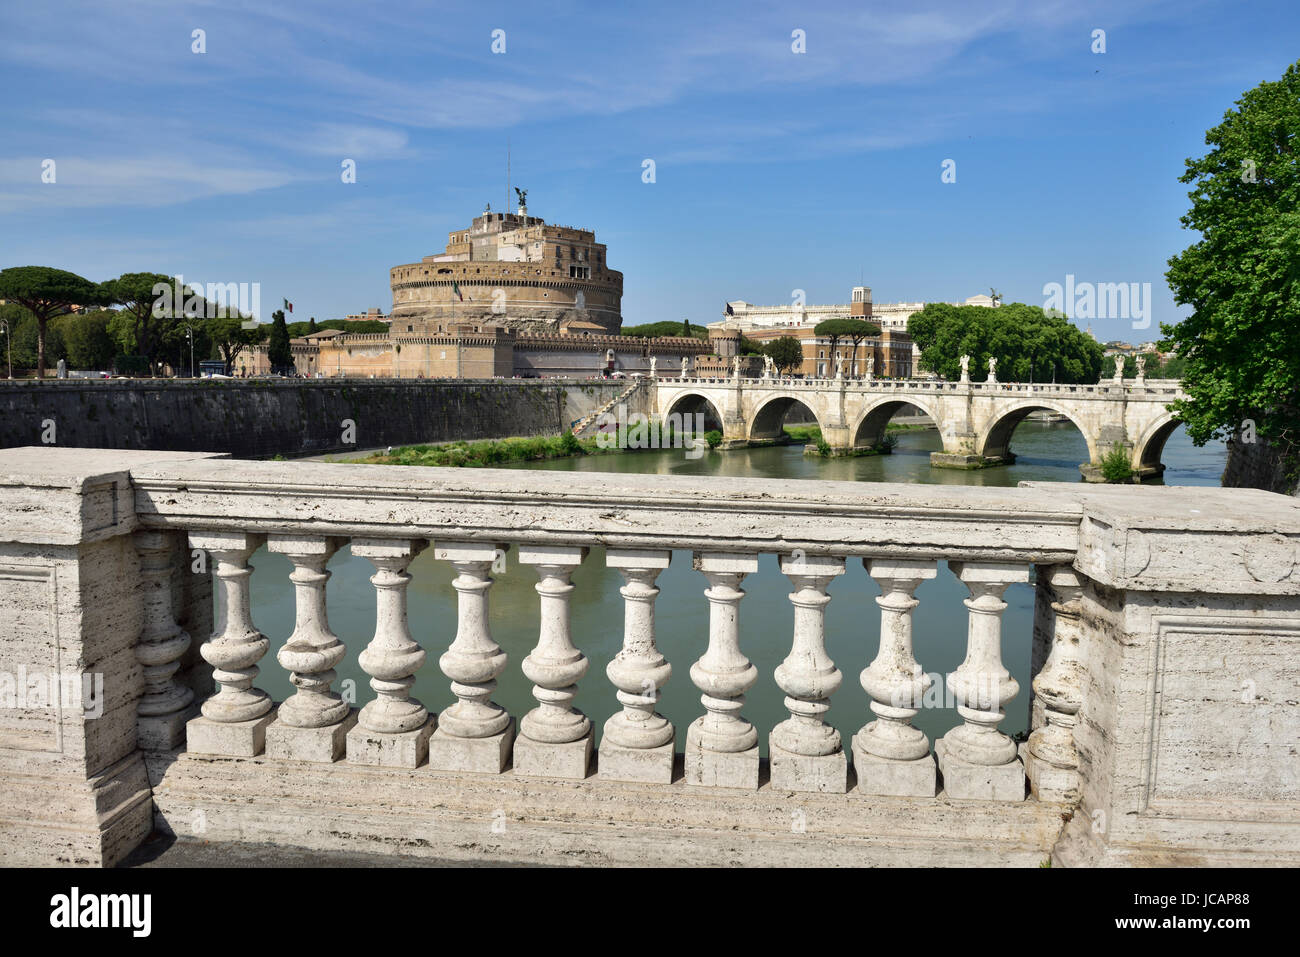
(1046, 452)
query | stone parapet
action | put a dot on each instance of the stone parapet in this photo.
(1162, 694)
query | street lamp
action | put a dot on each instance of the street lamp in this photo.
(189, 333)
(9, 345)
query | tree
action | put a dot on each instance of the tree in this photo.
(1241, 343)
(1027, 342)
(855, 330)
(311, 325)
(230, 338)
(278, 352)
(147, 299)
(786, 352)
(45, 291)
(87, 339)
(646, 331)
(859, 329)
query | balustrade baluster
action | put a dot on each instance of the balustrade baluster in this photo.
(890, 755)
(234, 720)
(165, 705)
(637, 743)
(555, 738)
(313, 722)
(722, 746)
(475, 733)
(393, 729)
(976, 760)
(806, 754)
(1051, 758)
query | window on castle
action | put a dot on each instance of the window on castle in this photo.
(579, 272)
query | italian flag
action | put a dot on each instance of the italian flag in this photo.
(455, 287)
(288, 305)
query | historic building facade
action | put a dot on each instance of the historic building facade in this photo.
(888, 355)
(509, 296)
(517, 271)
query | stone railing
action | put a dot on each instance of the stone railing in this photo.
(1155, 608)
(1106, 388)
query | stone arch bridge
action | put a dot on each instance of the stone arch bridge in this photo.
(974, 419)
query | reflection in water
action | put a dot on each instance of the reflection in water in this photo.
(1046, 452)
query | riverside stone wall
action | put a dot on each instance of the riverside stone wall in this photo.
(261, 418)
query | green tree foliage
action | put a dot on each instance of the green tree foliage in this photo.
(1025, 340)
(832, 329)
(651, 330)
(786, 352)
(1242, 277)
(278, 353)
(749, 347)
(45, 292)
(87, 340)
(25, 332)
(229, 338)
(153, 315)
(1115, 465)
(855, 331)
(1156, 368)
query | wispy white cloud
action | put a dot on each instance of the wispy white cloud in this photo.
(82, 181)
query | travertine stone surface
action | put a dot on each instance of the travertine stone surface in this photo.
(475, 733)
(312, 651)
(806, 753)
(236, 646)
(1050, 757)
(390, 749)
(1188, 617)
(324, 745)
(73, 788)
(236, 739)
(393, 657)
(896, 683)
(977, 760)
(555, 739)
(165, 705)
(637, 744)
(722, 746)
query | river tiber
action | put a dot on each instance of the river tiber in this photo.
(667, 444)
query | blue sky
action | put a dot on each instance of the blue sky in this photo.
(775, 171)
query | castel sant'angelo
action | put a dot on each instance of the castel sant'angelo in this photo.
(514, 270)
(509, 296)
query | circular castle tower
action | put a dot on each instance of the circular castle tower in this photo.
(514, 271)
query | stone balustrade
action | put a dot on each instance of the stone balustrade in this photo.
(1153, 607)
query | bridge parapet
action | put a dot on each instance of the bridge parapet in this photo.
(975, 419)
(1150, 754)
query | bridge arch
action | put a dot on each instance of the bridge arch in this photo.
(768, 419)
(1150, 447)
(869, 429)
(688, 403)
(996, 440)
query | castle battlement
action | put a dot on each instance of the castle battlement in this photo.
(513, 270)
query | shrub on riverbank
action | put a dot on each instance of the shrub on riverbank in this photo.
(488, 451)
(1115, 466)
